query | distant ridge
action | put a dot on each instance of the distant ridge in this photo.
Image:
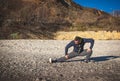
(42, 18)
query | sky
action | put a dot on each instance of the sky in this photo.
(104, 5)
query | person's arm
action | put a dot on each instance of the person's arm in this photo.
(89, 40)
(67, 47)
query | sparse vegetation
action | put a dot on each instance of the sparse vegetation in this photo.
(14, 35)
(43, 18)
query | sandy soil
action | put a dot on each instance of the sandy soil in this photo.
(27, 60)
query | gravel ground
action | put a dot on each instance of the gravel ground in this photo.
(27, 60)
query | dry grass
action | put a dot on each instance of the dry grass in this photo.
(100, 35)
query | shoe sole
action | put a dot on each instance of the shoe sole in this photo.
(50, 60)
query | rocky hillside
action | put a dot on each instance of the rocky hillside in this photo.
(42, 18)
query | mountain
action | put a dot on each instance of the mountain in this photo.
(42, 18)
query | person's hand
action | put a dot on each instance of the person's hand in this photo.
(89, 50)
(66, 56)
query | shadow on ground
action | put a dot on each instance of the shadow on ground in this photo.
(98, 59)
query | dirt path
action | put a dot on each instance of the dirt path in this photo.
(27, 60)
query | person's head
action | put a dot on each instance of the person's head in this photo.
(77, 40)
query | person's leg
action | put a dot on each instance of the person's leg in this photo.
(87, 54)
(70, 55)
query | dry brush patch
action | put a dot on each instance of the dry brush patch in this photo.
(99, 35)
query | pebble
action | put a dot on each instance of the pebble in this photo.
(37, 79)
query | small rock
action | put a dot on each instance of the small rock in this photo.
(37, 79)
(92, 70)
(43, 80)
(61, 75)
(81, 78)
(108, 67)
(80, 71)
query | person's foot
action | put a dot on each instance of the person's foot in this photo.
(51, 60)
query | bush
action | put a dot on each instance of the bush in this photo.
(15, 35)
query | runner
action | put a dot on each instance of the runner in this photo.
(78, 44)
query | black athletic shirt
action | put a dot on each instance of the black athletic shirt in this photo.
(79, 48)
